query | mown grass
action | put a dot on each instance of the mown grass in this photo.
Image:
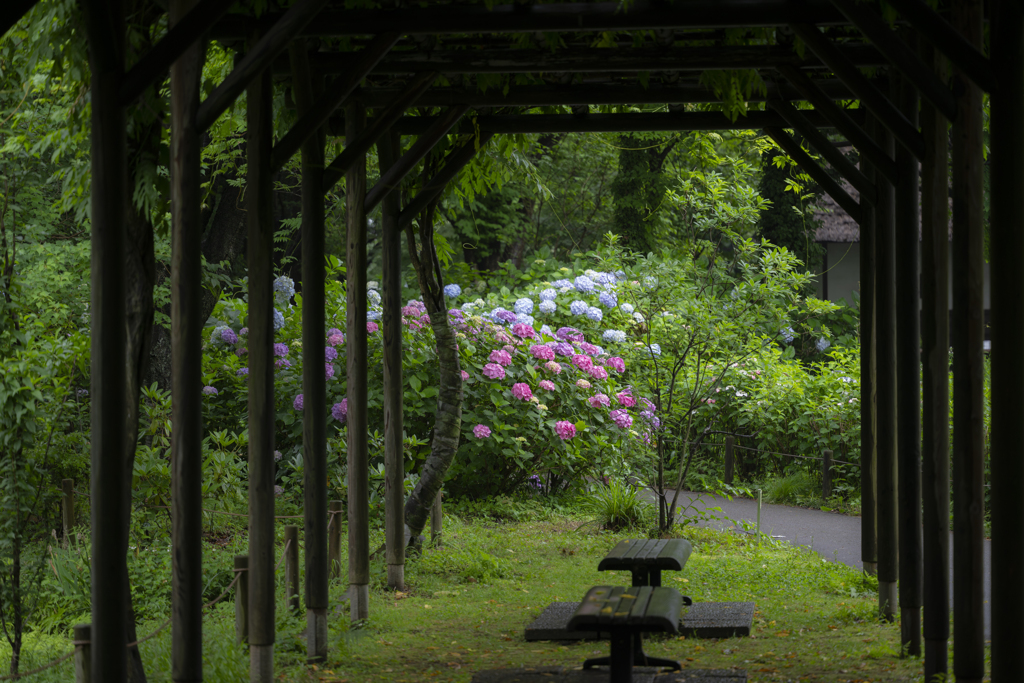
(468, 602)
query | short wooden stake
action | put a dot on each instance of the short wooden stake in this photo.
(291, 566)
(826, 474)
(336, 510)
(83, 653)
(729, 462)
(436, 520)
(242, 598)
(68, 511)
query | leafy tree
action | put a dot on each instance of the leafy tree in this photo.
(638, 189)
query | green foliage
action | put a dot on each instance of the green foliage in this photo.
(788, 221)
(791, 488)
(638, 190)
(618, 507)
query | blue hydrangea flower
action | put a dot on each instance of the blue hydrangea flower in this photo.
(608, 299)
(562, 284)
(373, 315)
(787, 334)
(595, 314)
(655, 349)
(373, 296)
(639, 317)
(578, 307)
(600, 351)
(584, 284)
(548, 294)
(546, 329)
(494, 313)
(452, 291)
(523, 306)
(284, 289)
(548, 306)
(626, 308)
(822, 344)
(523, 318)
(614, 336)
(604, 278)
(278, 319)
(650, 282)
(217, 333)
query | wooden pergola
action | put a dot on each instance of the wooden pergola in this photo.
(900, 131)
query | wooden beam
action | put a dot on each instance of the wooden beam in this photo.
(804, 160)
(891, 117)
(314, 383)
(559, 17)
(1006, 130)
(868, 384)
(900, 55)
(109, 517)
(260, 56)
(356, 149)
(453, 163)
(391, 178)
(12, 12)
(186, 358)
(935, 379)
(840, 118)
(833, 156)
(182, 35)
(318, 112)
(968, 364)
(591, 60)
(949, 42)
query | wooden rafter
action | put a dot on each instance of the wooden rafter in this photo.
(12, 12)
(453, 163)
(804, 160)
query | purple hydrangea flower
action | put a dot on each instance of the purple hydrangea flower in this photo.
(228, 335)
(608, 299)
(504, 316)
(340, 410)
(210, 391)
(297, 403)
(330, 354)
(621, 417)
(280, 350)
(242, 372)
(481, 431)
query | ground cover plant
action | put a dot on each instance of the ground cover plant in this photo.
(467, 603)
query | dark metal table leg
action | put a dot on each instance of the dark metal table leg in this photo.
(654, 577)
(622, 657)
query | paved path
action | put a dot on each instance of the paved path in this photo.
(835, 537)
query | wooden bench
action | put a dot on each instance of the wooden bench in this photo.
(625, 614)
(645, 559)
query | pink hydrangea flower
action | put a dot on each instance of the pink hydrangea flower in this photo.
(583, 384)
(542, 352)
(710, 401)
(626, 399)
(481, 431)
(465, 375)
(621, 418)
(336, 339)
(521, 390)
(501, 357)
(597, 372)
(372, 327)
(523, 330)
(565, 430)
(617, 363)
(552, 366)
(598, 400)
(588, 348)
(494, 371)
(584, 363)
(547, 385)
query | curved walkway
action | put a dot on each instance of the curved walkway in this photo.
(833, 536)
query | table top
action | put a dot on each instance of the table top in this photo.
(671, 553)
(637, 607)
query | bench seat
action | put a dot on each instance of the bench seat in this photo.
(646, 558)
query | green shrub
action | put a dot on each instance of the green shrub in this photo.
(792, 488)
(618, 506)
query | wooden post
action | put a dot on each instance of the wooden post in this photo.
(868, 386)
(908, 374)
(259, 207)
(935, 381)
(314, 382)
(730, 465)
(388, 150)
(436, 521)
(242, 598)
(291, 567)
(885, 378)
(68, 508)
(1006, 128)
(358, 463)
(109, 521)
(83, 652)
(334, 535)
(968, 366)
(826, 474)
(186, 363)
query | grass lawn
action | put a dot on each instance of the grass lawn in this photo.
(468, 602)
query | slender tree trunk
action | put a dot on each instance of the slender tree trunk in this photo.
(18, 616)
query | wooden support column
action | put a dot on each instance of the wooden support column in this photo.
(186, 363)
(388, 148)
(358, 463)
(885, 340)
(935, 379)
(1006, 127)
(868, 385)
(314, 382)
(908, 374)
(259, 216)
(968, 366)
(109, 517)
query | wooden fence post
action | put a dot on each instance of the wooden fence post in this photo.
(826, 474)
(242, 598)
(291, 566)
(68, 511)
(334, 538)
(436, 519)
(83, 653)
(729, 462)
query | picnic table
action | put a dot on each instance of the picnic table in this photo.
(646, 558)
